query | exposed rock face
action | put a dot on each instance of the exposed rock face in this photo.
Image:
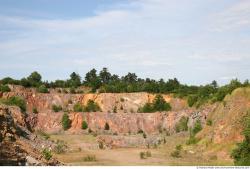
(16, 141)
(124, 102)
(227, 118)
(108, 141)
(123, 123)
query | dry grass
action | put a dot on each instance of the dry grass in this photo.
(130, 156)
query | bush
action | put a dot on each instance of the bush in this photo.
(140, 131)
(144, 135)
(84, 125)
(142, 155)
(192, 140)
(115, 109)
(42, 89)
(60, 147)
(159, 104)
(106, 127)
(56, 108)
(92, 107)
(178, 147)
(176, 154)
(47, 154)
(43, 134)
(192, 100)
(241, 154)
(182, 124)
(4, 88)
(89, 158)
(197, 127)
(34, 110)
(15, 101)
(209, 122)
(66, 123)
(78, 107)
(122, 99)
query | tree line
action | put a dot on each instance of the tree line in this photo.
(105, 82)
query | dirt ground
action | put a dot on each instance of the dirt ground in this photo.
(190, 155)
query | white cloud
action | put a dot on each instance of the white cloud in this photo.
(234, 17)
(143, 34)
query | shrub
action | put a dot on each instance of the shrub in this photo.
(106, 127)
(192, 100)
(60, 147)
(56, 108)
(159, 104)
(42, 89)
(122, 99)
(15, 101)
(89, 130)
(176, 154)
(92, 107)
(89, 158)
(209, 122)
(4, 88)
(140, 131)
(178, 147)
(144, 135)
(43, 134)
(47, 154)
(78, 107)
(66, 123)
(34, 110)
(192, 140)
(182, 124)
(241, 154)
(84, 125)
(101, 146)
(197, 127)
(142, 155)
(115, 109)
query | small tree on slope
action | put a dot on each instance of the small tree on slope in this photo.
(66, 123)
(241, 154)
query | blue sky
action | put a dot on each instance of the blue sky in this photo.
(195, 41)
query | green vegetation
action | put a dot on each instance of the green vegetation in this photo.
(209, 122)
(34, 110)
(78, 107)
(84, 125)
(182, 125)
(4, 88)
(43, 134)
(66, 123)
(56, 108)
(42, 89)
(104, 81)
(89, 158)
(60, 147)
(15, 101)
(193, 131)
(241, 154)
(106, 127)
(177, 152)
(146, 154)
(159, 104)
(92, 107)
(197, 127)
(47, 154)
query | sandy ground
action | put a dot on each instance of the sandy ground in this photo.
(131, 156)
